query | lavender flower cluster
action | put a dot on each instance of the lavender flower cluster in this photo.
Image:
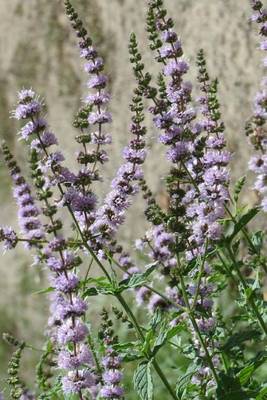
(200, 245)
(256, 126)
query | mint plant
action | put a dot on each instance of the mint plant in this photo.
(163, 301)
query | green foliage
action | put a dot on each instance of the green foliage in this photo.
(103, 286)
(143, 382)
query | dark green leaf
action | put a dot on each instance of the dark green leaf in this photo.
(184, 381)
(90, 292)
(239, 338)
(137, 280)
(156, 319)
(143, 383)
(257, 242)
(243, 221)
(245, 374)
(229, 388)
(166, 334)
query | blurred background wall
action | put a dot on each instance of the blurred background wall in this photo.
(37, 49)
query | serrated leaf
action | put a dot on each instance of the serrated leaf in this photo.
(137, 280)
(184, 381)
(245, 374)
(166, 334)
(156, 319)
(143, 383)
(257, 241)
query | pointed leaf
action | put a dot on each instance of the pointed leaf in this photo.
(243, 221)
(143, 383)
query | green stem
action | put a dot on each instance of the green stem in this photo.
(250, 298)
(119, 296)
(142, 337)
(92, 347)
(200, 273)
(125, 306)
(164, 380)
(87, 273)
(247, 238)
(131, 315)
(229, 272)
(196, 328)
(180, 307)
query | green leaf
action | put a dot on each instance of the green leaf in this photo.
(44, 291)
(245, 374)
(156, 319)
(229, 388)
(184, 381)
(166, 334)
(137, 280)
(129, 351)
(149, 338)
(243, 221)
(143, 383)
(90, 292)
(120, 347)
(238, 187)
(102, 286)
(263, 394)
(257, 241)
(239, 338)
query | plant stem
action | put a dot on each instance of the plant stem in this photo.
(200, 273)
(250, 298)
(139, 330)
(92, 347)
(195, 326)
(180, 307)
(163, 378)
(87, 273)
(247, 238)
(124, 305)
